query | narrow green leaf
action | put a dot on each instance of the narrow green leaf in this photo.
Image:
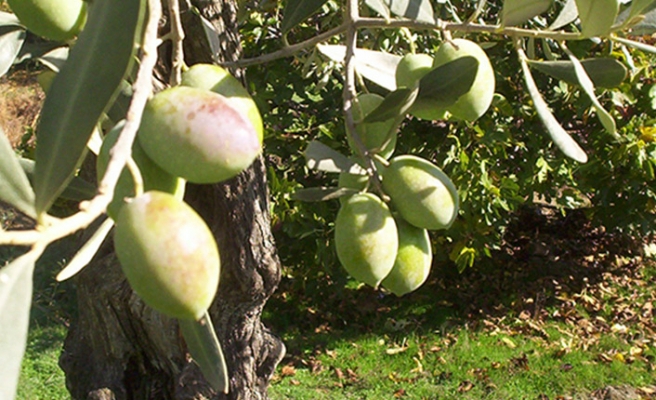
(417, 10)
(647, 26)
(638, 6)
(15, 188)
(81, 92)
(33, 50)
(296, 11)
(214, 38)
(11, 41)
(55, 58)
(9, 19)
(380, 6)
(597, 16)
(517, 12)
(321, 193)
(15, 301)
(86, 252)
(638, 45)
(394, 105)
(588, 87)
(377, 66)
(446, 83)
(323, 158)
(567, 15)
(205, 349)
(77, 189)
(604, 72)
(560, 137)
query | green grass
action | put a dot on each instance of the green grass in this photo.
(459, 365)
(41, 378)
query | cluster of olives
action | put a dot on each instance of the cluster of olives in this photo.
(468, 107)
(389, 245)
(206, 130)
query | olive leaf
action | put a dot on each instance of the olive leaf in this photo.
(604, 72)
(588, 87)
(445, 84)
(376, 66)
(205, 349)
(418, 10)
(81, 92)
(640, 6)
(55, 58)
(558, 134)
(296, 11)
(646, 26)
(638, 45)
(15, 187)
(15, 302)
(567, 15)
(86, 252)
(323, 158)
(11, 40)
(322, 193)
(77, 189)
(394, 105)
(516, 12)
(380, 6)
(597, 16)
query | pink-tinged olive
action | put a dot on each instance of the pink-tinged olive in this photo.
(154, 177)
(413, 261)
(473, 104)
(218, 80)
(198, 135)
(167, 254)
(421, 192)
(365, 238)
(58, 20)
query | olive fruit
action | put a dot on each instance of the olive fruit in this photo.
(473, 104)
(198, 135)
(412, 68)
(168, 255)
(218, 80)
(373, 134)
(366, 238)
(413, 261)
(421, 192)
(409, 71)
(351, 181)
(58, 20)
(154, 177)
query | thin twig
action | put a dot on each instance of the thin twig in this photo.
(382, 23)
(177, 35)
(288, 51)
(92, 209)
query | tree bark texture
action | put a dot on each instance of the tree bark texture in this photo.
(118, 348)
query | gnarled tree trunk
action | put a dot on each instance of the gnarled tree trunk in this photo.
(118, 348)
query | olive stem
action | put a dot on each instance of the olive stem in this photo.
(352, 16)
(177, 35)
(382, 23)
(137, 178)
(92, 209)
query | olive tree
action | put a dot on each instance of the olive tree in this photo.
(124, 343)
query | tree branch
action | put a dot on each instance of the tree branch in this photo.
(92, 209)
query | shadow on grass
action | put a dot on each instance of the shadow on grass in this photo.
(545, 256)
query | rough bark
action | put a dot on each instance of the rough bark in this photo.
(118, 348)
